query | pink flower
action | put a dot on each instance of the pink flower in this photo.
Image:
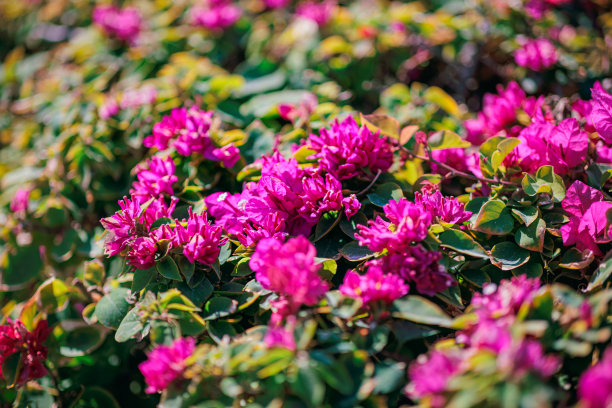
(108, 108)
(302, 110)
(15, 338)
(215, 14)
(201, 240)
(537, 54)
(448, 210)
(454, 157)
(290, 270)
(584, 109)
(280, 337)
(418, 266)
(141, 254)
(429, 375)
(347, 150)
(587, 212)
(20, 201)
(319, 12)
(155, 177)
(497, 302)
(277, 3)
(595, 385)
(228, 155)
(408, 223)
(187, 130)
(373, 286)
(134, 98)
(121, 227)
(123, 24)
(271, 227)
(131, 222)
(166, 364)
(601, 114)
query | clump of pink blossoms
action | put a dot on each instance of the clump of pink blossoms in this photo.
(601, 114)
(374, 286)
(15, 338)
(215, 14)
(587, 224)
(347, 150)
(407, 223)
(515, 356)
(201, 241)
(536, 54)
(287, 199)
(280, 337)
(188, 132)
(166, 364)
(20, 201)
(124, 24)
(595, 385)
(155, 177)
(290, 270)
(318, 11)
(132, 222)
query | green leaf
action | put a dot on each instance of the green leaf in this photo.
(387, 125)
(129, 327)
(439, 97)
(507, 256)
(531, 237)
(162, 221)
(242, 268)
(349, 226)
(385, 193)
(420, 310)
(526, 214)
(112, 308)
(81, 341)
(545, 181)
(219, 306)
(96, 397)
(168, 268)
(309, 387)
(462, 242)
(141, 279)
(219, 329)
(22, 266)
(445, 139)
(503, 149)
(326, 223)
(54, 295)
(494, 219)
(389, 376)
(573, 258)
(602, 274)
(354, 253)
(11, 368)
(197, 294)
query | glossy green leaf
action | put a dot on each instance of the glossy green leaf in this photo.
(446, 139)
(420, 310)
(507, 255)
(494, 218)
(112, 308)
(531, 237)
(462, 242)
(168, 268)
(385, 193)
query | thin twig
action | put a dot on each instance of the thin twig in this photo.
(456, 172)
(365, 190)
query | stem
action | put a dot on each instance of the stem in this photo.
(456, 172)
(365, 190)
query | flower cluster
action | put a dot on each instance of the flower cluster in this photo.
(588, 224)
(155, 178)
(373, 286)
(399, 237)
(201, 241)
(595, 386)
(537, 54)
(124, 24)
(347, 150)
(188, 132)
(166, 364)
(318, 11)
(215, 14)
(290, 270)
(287, 199)
(513, 356)
(16, 338)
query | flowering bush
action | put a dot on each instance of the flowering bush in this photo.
(306, 203)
